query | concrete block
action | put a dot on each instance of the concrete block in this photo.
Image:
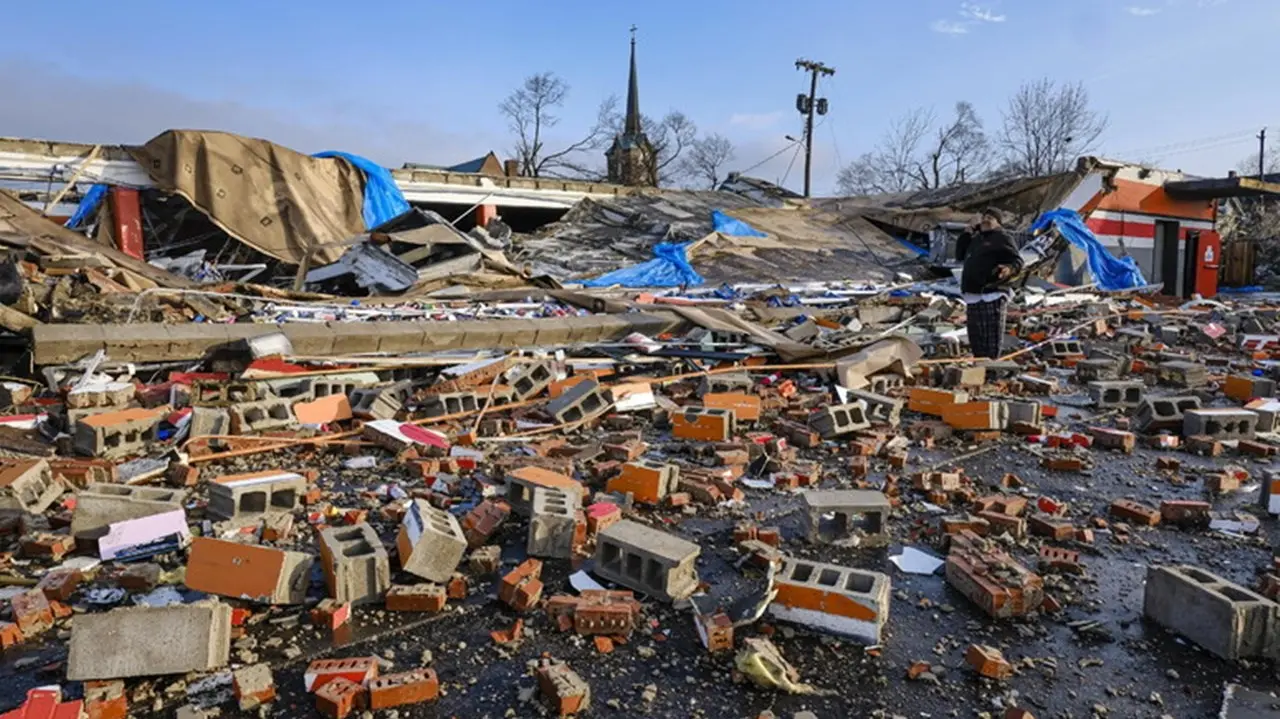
(522, 482)
(558, 527)
(1219, 424)
(150, 641)
(879, 408)
(1163, 413)
(440, 405)
(647, 560)
(705, 424)
(1222, 617)
(882, 383)
(1182, 373)
(248, 571)
(646, 481)
(263, 415)
(1104, 368)
(100, 505)
(532, 380)
(430, 542)
(356, 567)
(28, 485)
(831, 598)
(582, 401)
(1064, 349)
(846, 516)
(1243, 388)
(113, 435)
(253, 496)
(840, 420)
(210, 421)
(1112, 395)
(103, 394)
(723, 383)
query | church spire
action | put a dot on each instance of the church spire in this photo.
(632, 126)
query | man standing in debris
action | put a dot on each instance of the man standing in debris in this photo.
(990, 260)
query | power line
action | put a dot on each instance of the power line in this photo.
(791, 164)
(770, 157)
(1191, 144)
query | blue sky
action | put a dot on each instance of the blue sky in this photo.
(421, 81)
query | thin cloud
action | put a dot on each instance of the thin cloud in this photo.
(755, 120)
(950, 27)
(1142, 11)
(980, 13)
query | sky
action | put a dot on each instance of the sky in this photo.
(420, 81)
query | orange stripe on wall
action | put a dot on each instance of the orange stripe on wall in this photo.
(1130, 196)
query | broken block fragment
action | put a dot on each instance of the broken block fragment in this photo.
(28, 485)
(148, 641)
(647, 560)
(253, 686)
(558, 528)
(112, 435)
(430, 542)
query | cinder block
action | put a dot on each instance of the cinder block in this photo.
(100, 505)
(1163, 413)
(149, 641)
(532, 380)
(1243, 388)
(1224, 618)
(452, 403)
(356, 567)
(703, 424)
(416, 598)
(558, 528)
(724, 383)
(647, 560)
(879, 408)
(840, 420)
(646, 481)
(1116, 395)
(430, 542)
(976, 416)
(113, 435)
(28, 485)
(248, 571)
(1181, 373)
(1219, 423)
(251, 497)
(105, 394)
(261, 416)
(522, 482)
(930, 401)
(210, 421)
(831, 598)
(857, 516)
(381, 402)
(1090, 370)
(582, 401)
(1064, 349)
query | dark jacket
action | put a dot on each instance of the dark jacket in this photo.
(981, 253)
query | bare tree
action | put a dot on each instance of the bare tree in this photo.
(530, 112)
(1047, 126)
(893, 166)
(670, 137)
(707, 156)
(959, 153)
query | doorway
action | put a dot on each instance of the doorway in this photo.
(1166, 259)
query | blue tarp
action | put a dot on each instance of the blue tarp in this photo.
(668, 268)
(382, 197)
(1109, 272)
(88, 205)
(727, 225)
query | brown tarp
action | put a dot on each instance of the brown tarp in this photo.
(278, 201)
(22, 226)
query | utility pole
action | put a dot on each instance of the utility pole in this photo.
(807, 107)
(1262, 155)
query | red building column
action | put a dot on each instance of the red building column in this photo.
(126, 211)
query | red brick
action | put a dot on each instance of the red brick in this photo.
(411, 687)
(1168, 464)
(988, 661)
(1063, 464)
(1056, 529)
(481, 522)
(44, 544)
(31, 612)
(1060, 559)
(105, 700)
(10, 635)
(990, 578)
(1001, 523)
(416, 598)
(1188, 512)
(1135, 512)
(358, 670)
(719, 632)
(521, 588)
(562, 689)
(338, 698)
(60, 584)
(331, 614)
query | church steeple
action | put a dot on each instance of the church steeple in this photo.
(631, 157)
(632, 126)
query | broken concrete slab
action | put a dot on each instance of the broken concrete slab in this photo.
(150, 641)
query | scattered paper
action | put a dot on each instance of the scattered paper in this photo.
(914, 561)
(581, 581)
